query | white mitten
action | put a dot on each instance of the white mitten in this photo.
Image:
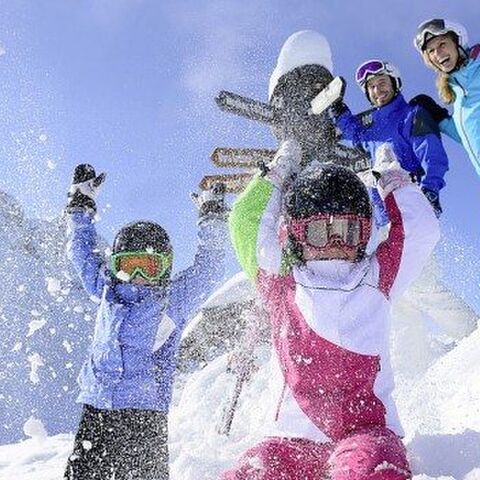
(388, 170)
(285, 163)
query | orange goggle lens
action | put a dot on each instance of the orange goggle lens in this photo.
(151, 266)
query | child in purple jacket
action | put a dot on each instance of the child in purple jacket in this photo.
(126, 381)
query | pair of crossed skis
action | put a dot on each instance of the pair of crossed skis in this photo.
(249, 159)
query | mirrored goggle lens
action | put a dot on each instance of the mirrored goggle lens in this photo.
(320, 232)
(369, 68)
(317, 233)
(432, 28)
(148, 266)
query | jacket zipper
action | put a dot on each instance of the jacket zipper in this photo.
(469, 145)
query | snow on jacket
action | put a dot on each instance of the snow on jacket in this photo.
(131, 362)
(464, 125)
(413, 134)
(330, 319)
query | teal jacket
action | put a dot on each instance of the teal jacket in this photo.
(464, 124)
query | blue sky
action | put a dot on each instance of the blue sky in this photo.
(128, 86)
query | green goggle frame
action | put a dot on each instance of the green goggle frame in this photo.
(164, 262)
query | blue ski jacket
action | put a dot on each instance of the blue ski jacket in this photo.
(131, 362)
(413, 134)
(464, 125)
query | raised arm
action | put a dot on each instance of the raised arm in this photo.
(440, 115)
(350, 125)
(82, 238)
(83, 252)
(414, 230)
(254, 219)
(192, 286)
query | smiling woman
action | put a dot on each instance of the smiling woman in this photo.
(444, 47)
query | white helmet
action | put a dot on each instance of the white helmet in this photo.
(438, 26)
(377, 67)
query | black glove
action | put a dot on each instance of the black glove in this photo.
(338, 108)
(437, 112)
(84, 189)
(211, 202)
(434, 200)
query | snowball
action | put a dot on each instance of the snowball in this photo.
(53, 285)
(34, 428)
(36, 362)
(123, 276)
(35, 325)
(67, 346)
(302, 48)
(87, 445)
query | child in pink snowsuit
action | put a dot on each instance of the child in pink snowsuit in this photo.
(329, 313)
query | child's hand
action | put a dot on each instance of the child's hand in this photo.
(84, 189)
(388, 170)
(211, 202)
(285, 163)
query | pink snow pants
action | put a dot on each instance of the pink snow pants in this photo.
(373, 454)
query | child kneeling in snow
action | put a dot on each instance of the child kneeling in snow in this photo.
(126, 382)
(302, 237)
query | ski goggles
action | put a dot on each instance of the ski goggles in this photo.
(372, 67)
(150, 266)
(428, 30)
(321, 230)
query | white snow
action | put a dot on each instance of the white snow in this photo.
(34, 428)
(36, 362)
(53, 285)
(123, 276)
(68, 346)
(306, 47)
(441, 414)
(35, 325)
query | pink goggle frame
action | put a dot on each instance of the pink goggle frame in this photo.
(318, 231)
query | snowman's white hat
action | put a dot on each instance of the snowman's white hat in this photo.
(306, 47)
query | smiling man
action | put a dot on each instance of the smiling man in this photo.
(409, 129)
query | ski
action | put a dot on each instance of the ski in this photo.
(241, 157)
(234, 183)
(330, 94)
(245, 107)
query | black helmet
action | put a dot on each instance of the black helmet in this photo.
(142, 236)
(327, 188)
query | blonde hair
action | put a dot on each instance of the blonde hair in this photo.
(445, 91)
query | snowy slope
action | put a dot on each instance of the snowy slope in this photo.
(441, 415)
(440, 409)
(46, 321)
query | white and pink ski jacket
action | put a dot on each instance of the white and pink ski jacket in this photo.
(330, 319)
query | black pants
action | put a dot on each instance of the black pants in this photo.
(132, 444)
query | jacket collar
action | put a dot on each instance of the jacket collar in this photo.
(331, 274)
(130, 293)
(393, 108)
